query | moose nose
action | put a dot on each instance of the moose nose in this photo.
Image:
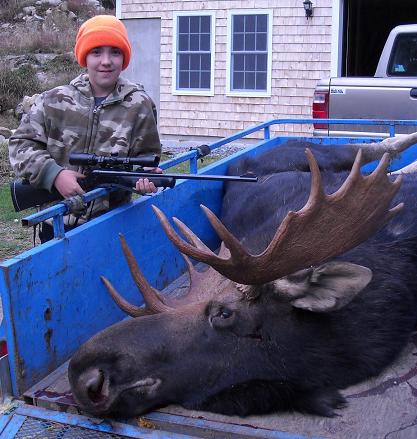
(96, 385)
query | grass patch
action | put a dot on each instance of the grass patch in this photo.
(184, 168)
(15, 238)
(6, 172)
(6, 206)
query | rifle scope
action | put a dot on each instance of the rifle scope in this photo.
(82, 159)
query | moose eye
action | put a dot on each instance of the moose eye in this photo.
(220, 316)
(225, 313)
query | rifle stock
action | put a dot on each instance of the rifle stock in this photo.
(25, 196)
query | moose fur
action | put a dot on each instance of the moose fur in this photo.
(287, 344)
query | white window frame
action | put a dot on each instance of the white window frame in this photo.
(248, 93)
(193, 92)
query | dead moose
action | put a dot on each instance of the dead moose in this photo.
(314, 289)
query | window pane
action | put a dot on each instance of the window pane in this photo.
(205, 42)
(205, 80)
(249, 41)
(183, 42)
(238, 81)
(194, 52)
(194, 24)
(238, 23)
(194, 42)
(261, 62)
(250, 62)
(261, 81)
(238, 42)
(183, 81)
(262, 23)
(195, 62)
(261, 42)
(250, 22)
(183, 25)
(194, 80)
(205, 24)
(249, 58)
(184, 62)
(206, 62)
(250, 81)
(239, 63)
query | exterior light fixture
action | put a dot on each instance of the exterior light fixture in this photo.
(308, 8)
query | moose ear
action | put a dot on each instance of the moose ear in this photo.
(325, 288)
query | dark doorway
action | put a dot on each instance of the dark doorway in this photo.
(367, 24)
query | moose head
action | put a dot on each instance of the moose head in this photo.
(254, 332)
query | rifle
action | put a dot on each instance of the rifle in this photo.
(108, 171)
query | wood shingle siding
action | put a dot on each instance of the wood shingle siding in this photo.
(301, 51)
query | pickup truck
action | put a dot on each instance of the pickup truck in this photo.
(390, 94)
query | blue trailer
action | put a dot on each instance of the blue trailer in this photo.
(53, 301)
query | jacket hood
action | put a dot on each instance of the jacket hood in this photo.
(123, 87)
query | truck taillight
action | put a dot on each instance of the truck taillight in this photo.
(321, 108)
(3, 348)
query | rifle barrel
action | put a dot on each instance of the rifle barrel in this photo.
(243, 178)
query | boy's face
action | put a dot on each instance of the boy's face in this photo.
(104, 65)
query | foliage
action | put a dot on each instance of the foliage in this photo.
(64, 63)
(8, 120)
(15, 84)
(33, 40)
(81, 8)
(64, 68)
(10, 8)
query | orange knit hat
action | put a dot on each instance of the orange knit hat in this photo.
(102, 30)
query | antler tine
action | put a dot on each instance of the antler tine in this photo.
(191, 237)
(316, 187)
(200, 253)
(123, 304)
(353, 177)
(231, 242)
(152, 298)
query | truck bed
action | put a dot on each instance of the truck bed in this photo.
(52, 304)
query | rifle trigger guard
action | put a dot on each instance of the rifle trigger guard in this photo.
(76, 205)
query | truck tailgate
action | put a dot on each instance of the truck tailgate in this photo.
(370, 98)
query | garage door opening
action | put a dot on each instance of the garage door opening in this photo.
(367, 24)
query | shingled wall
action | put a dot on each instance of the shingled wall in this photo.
(300, 56)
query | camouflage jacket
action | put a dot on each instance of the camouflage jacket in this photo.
(64, 119)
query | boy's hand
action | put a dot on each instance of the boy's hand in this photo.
(144, 186)
(66, 183)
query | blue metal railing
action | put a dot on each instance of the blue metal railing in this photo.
(58, 211)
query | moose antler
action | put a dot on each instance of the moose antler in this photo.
(153, 300)
(393, 145)
(326, 226)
